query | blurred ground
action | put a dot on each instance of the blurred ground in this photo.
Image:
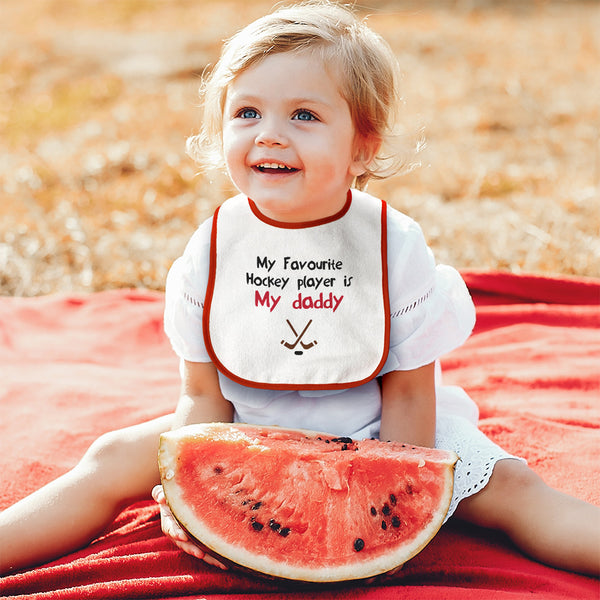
(97, 98)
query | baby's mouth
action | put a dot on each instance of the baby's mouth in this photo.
(274, 168)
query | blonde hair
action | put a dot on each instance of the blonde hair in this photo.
(366, 65)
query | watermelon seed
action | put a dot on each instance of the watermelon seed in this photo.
(386, 510)
(284, 531)
(395, 521)
(359, 544)
(274, 525)
(343, 440)
(345, 447)
(392, 500)
(373, 510)
(383, 525)
(409, 489)
(256, 525)
(256, 506)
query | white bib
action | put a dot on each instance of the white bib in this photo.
(298, 305)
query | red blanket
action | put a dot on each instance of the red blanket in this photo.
(75, 366)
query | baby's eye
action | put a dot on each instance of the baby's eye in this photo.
(247, 113)
(304, 115)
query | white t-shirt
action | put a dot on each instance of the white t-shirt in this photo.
(431, 314)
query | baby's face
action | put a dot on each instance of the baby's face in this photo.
(288, 138)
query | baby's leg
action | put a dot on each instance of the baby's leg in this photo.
(550, 526)
(119, 468)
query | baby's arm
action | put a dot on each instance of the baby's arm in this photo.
(408, 406)
(201, 401)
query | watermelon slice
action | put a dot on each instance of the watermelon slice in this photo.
(302, 505)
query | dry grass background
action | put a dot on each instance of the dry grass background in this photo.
(98, 96)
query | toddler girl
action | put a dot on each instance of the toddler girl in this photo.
(305, 302)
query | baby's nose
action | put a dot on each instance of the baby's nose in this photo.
(271, 134)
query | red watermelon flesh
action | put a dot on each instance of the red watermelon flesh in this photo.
(303, 505)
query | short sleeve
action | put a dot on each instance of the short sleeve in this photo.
(431, 309)
(184, 297)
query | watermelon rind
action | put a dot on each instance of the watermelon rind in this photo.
(213, 542)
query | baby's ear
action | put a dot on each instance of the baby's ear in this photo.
(365, 150)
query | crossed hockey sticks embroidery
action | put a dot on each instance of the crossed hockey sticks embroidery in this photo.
(298, 339)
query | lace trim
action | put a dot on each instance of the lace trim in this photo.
(193, 300)
(478, 456)
(412, 306)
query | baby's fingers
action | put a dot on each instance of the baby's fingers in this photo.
(173, 530)
(182, 541)
(159, 494)
(214, 562)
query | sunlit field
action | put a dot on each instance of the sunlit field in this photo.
(97, 98)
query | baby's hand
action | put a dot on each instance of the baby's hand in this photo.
(178, 536)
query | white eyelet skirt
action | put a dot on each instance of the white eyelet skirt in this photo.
(477, 456)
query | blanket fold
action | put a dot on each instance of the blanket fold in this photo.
(74, 366)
